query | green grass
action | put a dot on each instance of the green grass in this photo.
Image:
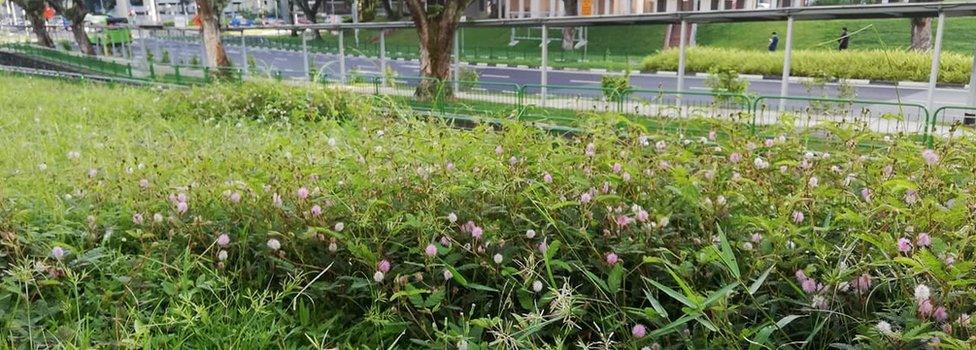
(631, 228)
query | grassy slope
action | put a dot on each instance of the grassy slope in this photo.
(645, 39)
(960, 35)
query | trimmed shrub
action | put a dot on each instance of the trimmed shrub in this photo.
(854, 64)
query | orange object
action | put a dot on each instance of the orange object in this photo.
(586, 8)
(197, 21)
(48, 13)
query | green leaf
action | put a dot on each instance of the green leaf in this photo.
(759, 281)
(655, 304)
(670, 327)
(728, 257)
(435, 298)
(672, 293)
(719, 294)
(613, 281)
(763, 335)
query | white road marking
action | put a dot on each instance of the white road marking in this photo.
(496, 76)
(583, 81)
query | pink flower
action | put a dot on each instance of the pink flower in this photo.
(476, 232)
(904, 245)
(617, 168)
(866, 194)
(586, 197)
(940, 314)
(276, 200)
(431, 250)
(625, 176)
(316, 210)
(235, 197)
(144, 184)
(800, 276)
(661, 146)
(543, 247)
(798, 217)
(499, 150)
(642, 215)
(809, 285)
(711, 135)
(911, 197)
(57, 253)
(925, 308)
(383, 266)
(638, 331)
(612, 259)
(768, 143)
(930, 157)
(302, 193)
(590, 150)
(923, 240)
(623, 221)
(735, 157)
(547, 178)
(756, 238)
(887, 171)
(182, 207)
(449, 166)
(862, 283)
(223, 240)
(137, 219)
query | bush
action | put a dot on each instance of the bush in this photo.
(119, 227)
(615, 87)
(263, 101)
(726, 80)
(65, 45)
(165, 59)
(468, 79)
(854, 64)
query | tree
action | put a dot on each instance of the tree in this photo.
(35, 13)
(311, 13)
(436, 22)
(921, 31)
(75, 11)
(391, 13)
(209, 12)
(569, 32)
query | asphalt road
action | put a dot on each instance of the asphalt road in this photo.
(579, 83)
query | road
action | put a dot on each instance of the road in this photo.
(564, 82)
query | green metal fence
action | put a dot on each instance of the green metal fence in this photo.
(563, 104)
(944, 118)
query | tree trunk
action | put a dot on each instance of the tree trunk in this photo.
(921, 34)
(210, 31)
(391, 14)
(435, 33)
(78, 29)
(568, 32)
(40, 30)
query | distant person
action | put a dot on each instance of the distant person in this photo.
(773, 42)
(845, 40)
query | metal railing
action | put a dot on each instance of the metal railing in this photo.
(563, 105)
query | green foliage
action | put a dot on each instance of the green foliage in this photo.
(725, 80)
(875, 65)
(468, 79)
(615, 87)
(252, 64)
(65, 45)
(194, 60)
(150, 56)
(315, 189)
(165, 59)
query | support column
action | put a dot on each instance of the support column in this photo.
(383, 57)
(681, 55)
(457, 62)
(544, 65)
(784, 89)
(606, 7)
(936, 56)
(308, 69)
(552, 8)
(342, 58)
(521, 8)
(972, 83)
(246, 66)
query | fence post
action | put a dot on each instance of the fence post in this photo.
(543, 65)
(247, 69)
(382, 58)
(152, 70)
(342, 58)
